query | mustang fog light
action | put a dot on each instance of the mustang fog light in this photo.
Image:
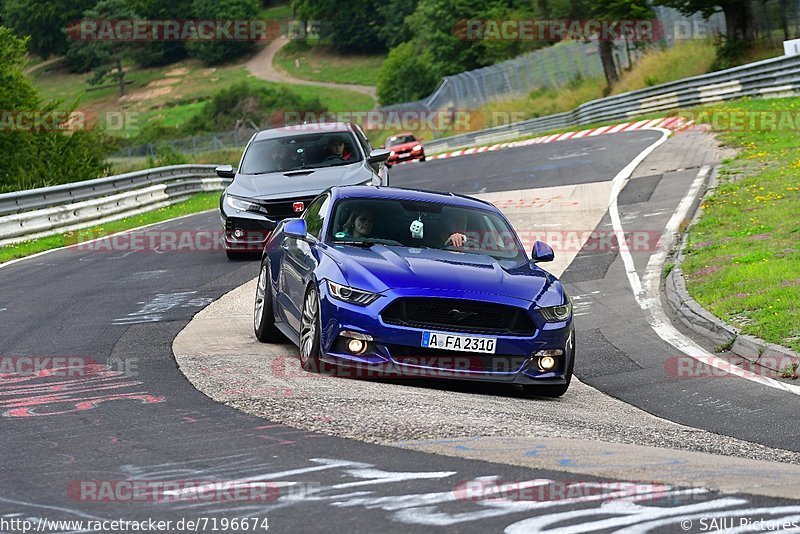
(357, 346)
(547, 358)
(238, 233)
(547, 363)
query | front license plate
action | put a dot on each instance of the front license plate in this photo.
(439, 340)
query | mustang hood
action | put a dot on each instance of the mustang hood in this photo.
(380, 268)
(278, 185)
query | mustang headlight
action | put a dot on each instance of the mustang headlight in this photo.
(241, 204)
(352, 295)
(416, 148)
(556, 314)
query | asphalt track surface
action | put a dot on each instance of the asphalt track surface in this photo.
(133, 416)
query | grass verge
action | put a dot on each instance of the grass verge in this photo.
(194, 204)
(742, 260)
(321, 63)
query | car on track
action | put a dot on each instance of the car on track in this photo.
(283, 169)
(404, 147)
(401, 282)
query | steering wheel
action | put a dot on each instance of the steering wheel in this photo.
(333, 158)
(470, 243)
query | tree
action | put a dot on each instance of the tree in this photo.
(739, 15)
(609, 10)
(37, 157)
(218, 51)
(44, 21)
(353, 26)
(406, 75)
(160, 52)
(105, 57)
(393, 29)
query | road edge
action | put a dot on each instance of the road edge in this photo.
(705, 323)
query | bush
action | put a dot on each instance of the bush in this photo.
(215, 52)
(243, 103)
(33, 158)
(405, 76)
(730, 53)
(166, 155)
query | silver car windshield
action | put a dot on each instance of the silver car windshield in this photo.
(367, 221)
(303, 151)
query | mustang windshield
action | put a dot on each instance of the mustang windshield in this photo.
(302, 151)
(423, 225)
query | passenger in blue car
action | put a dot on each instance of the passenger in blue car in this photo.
(359, 223)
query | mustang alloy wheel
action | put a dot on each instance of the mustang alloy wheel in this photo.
(310, 332)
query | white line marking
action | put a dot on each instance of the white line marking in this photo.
(646, 294)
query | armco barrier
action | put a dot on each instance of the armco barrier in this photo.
(51, 210)
(47, 211)
(773, 77)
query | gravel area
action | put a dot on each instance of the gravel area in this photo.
(219, 354)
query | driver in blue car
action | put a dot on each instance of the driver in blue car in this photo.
(455, 228)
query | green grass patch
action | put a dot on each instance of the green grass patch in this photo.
(194, 204)
(279, 12)
(742, 259)
(322, 63)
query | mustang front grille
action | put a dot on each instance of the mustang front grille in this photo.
(459, 315)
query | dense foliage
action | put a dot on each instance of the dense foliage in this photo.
(37, 156)
(251, 106)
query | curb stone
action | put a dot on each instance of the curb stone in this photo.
(703, 322)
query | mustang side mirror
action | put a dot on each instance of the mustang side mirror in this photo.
(225, 171)
(378, 155)
(295, 228)
(542, 252)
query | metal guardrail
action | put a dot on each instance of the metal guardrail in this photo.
(768, 78)
(47, 211)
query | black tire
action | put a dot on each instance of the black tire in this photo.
(236, 256)
(422, 159)
(310, 328)
(263, 313)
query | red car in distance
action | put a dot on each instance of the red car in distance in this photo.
(404, 147)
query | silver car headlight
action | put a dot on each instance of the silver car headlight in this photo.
(557, 314)
(352, 295)
(241, 204)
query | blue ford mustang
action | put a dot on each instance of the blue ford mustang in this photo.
(402, 282)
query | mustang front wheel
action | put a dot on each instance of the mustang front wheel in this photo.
(263, 314)
(310, 331)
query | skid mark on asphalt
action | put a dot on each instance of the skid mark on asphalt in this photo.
(156, 309)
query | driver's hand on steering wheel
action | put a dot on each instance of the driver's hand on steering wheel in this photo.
(457, 240)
